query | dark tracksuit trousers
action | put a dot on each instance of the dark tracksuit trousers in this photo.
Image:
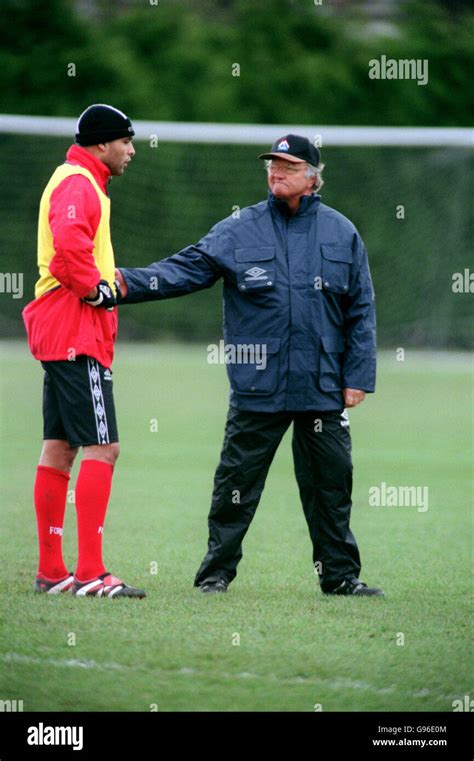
(323, 469)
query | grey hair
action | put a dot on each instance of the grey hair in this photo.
(311, 171)
(316, 172)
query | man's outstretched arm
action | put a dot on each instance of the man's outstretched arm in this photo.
(191, 269)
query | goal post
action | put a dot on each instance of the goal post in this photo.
(254, 134)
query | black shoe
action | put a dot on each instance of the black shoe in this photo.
(213, 586)
(355, 587)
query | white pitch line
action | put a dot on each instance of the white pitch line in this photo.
(68, 663)
(337, 683)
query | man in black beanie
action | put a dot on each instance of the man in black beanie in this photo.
(72, 326)
(107, 133)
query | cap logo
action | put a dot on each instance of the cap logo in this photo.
(283, 145)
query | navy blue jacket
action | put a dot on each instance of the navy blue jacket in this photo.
(299, 285)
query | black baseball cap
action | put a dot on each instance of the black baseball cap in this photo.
(100, 123)
(293, 148)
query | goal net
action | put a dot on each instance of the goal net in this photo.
(408, 191)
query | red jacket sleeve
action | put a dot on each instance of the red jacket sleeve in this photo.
(74, 216)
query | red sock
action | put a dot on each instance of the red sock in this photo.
(50, 494)
(93, 486)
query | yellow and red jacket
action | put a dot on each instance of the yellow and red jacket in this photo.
(74, 253)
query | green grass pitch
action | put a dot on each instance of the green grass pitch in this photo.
(273, 643)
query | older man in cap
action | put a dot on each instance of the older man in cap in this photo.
(299, 300)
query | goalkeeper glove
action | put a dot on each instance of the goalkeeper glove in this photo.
(105, 296)
(118, 291)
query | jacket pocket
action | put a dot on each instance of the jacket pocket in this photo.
(255, 268)
(336, 262)
(252, 364)
(330, 362)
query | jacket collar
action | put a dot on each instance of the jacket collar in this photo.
(308, 205)
(101, 173)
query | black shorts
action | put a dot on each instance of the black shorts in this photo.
(78, 402)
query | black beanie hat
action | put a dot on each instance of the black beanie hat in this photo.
(101, 124)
